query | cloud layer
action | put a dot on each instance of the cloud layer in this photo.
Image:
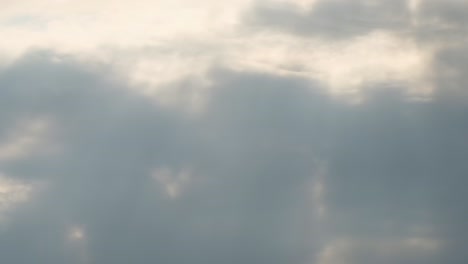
(320, 132)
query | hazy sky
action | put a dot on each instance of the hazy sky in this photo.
(248, 131)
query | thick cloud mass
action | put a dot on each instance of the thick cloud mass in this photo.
(271, 166)
(394, 171)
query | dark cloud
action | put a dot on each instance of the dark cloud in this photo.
(111, 140)
(392, 167)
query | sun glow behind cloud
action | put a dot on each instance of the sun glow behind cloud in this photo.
(76, 233)
(150, 45)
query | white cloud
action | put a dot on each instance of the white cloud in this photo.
(346, 67)
(156, 43)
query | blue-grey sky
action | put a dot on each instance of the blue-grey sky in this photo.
(250, 131)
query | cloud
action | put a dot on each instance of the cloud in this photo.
(265, 158)
(149, 45)
(338, 19)
(230, 141)
(332, 19)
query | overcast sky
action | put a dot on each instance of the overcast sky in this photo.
(248, 131)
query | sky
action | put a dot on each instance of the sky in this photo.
(247, 131)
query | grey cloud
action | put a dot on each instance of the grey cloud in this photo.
(111, 140)
(451, 68)
(331, 19)
(393, 166)
(441, 22)
(434, 20)
(451, 12)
